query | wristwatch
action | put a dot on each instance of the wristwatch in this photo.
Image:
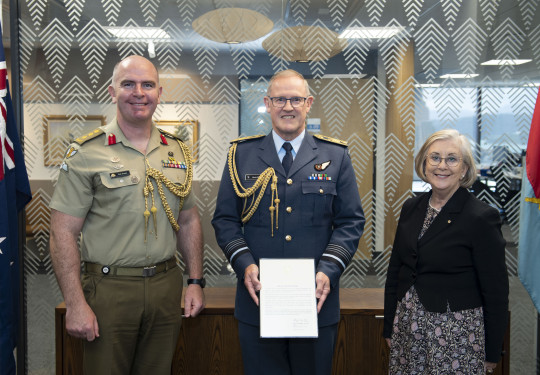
(200, 282)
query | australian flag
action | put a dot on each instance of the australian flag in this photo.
(14, 195)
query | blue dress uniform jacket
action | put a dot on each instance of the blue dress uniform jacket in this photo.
(320, 219)
(458, 264)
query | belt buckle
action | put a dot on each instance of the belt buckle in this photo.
(149, 271)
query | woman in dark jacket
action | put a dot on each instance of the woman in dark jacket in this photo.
(446, 292)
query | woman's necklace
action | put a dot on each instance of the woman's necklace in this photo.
(436, 209)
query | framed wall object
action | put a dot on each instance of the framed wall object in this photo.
(60, 130)
(187, 131)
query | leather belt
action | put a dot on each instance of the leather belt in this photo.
(148, 271)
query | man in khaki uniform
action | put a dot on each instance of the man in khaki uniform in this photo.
(126, 186)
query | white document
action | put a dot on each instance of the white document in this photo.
(288, 306)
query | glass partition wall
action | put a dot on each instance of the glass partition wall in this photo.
(385, 74)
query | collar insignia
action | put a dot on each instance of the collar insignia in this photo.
(70, 152)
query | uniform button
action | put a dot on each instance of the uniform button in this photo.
(289, 181)
(321, 191)
(289, 209)
(288, 238)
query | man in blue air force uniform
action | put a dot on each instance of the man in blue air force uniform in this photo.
(289, 194)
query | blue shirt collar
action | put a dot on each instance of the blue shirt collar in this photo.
(295, 143)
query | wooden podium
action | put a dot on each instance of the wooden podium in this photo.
(209, 343)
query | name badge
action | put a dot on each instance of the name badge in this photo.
(119, 174)
(251, 177)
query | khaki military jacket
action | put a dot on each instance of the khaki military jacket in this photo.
(102, 179)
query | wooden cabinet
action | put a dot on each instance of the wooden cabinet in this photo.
(209, 343)
(360, 347)
(219, 351)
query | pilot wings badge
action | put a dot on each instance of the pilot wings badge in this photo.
(322, 166)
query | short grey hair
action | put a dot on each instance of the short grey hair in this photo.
(287, 73)
(466, 154)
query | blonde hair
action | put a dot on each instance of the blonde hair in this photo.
(287, 73)
(466, 155)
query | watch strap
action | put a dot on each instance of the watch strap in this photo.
(200, 282)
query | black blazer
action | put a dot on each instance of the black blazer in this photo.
(458, 263)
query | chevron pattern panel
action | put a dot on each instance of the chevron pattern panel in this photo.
(383, 95)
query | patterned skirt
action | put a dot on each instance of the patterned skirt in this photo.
(429, 343)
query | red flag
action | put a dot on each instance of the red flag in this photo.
(533, 150)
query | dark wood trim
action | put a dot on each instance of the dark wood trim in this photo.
(209, 343)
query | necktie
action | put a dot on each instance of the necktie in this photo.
(287, 159)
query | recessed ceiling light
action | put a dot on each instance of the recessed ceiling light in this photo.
(370, 32)
(459, 76)
(506, 62)
(138, 32)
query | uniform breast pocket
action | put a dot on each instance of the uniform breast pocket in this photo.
(118, 190)
(175, 175)
(317, 199)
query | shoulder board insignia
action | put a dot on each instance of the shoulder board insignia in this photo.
(168, 135)
(93, 134)
(330, 139)
(242, 139)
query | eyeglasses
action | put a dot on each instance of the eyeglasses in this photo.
(280, 101)
(436, 159)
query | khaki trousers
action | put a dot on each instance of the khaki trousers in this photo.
(139, 323)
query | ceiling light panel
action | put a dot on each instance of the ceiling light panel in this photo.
(138, 32)
(370, 32)
(506, 62)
